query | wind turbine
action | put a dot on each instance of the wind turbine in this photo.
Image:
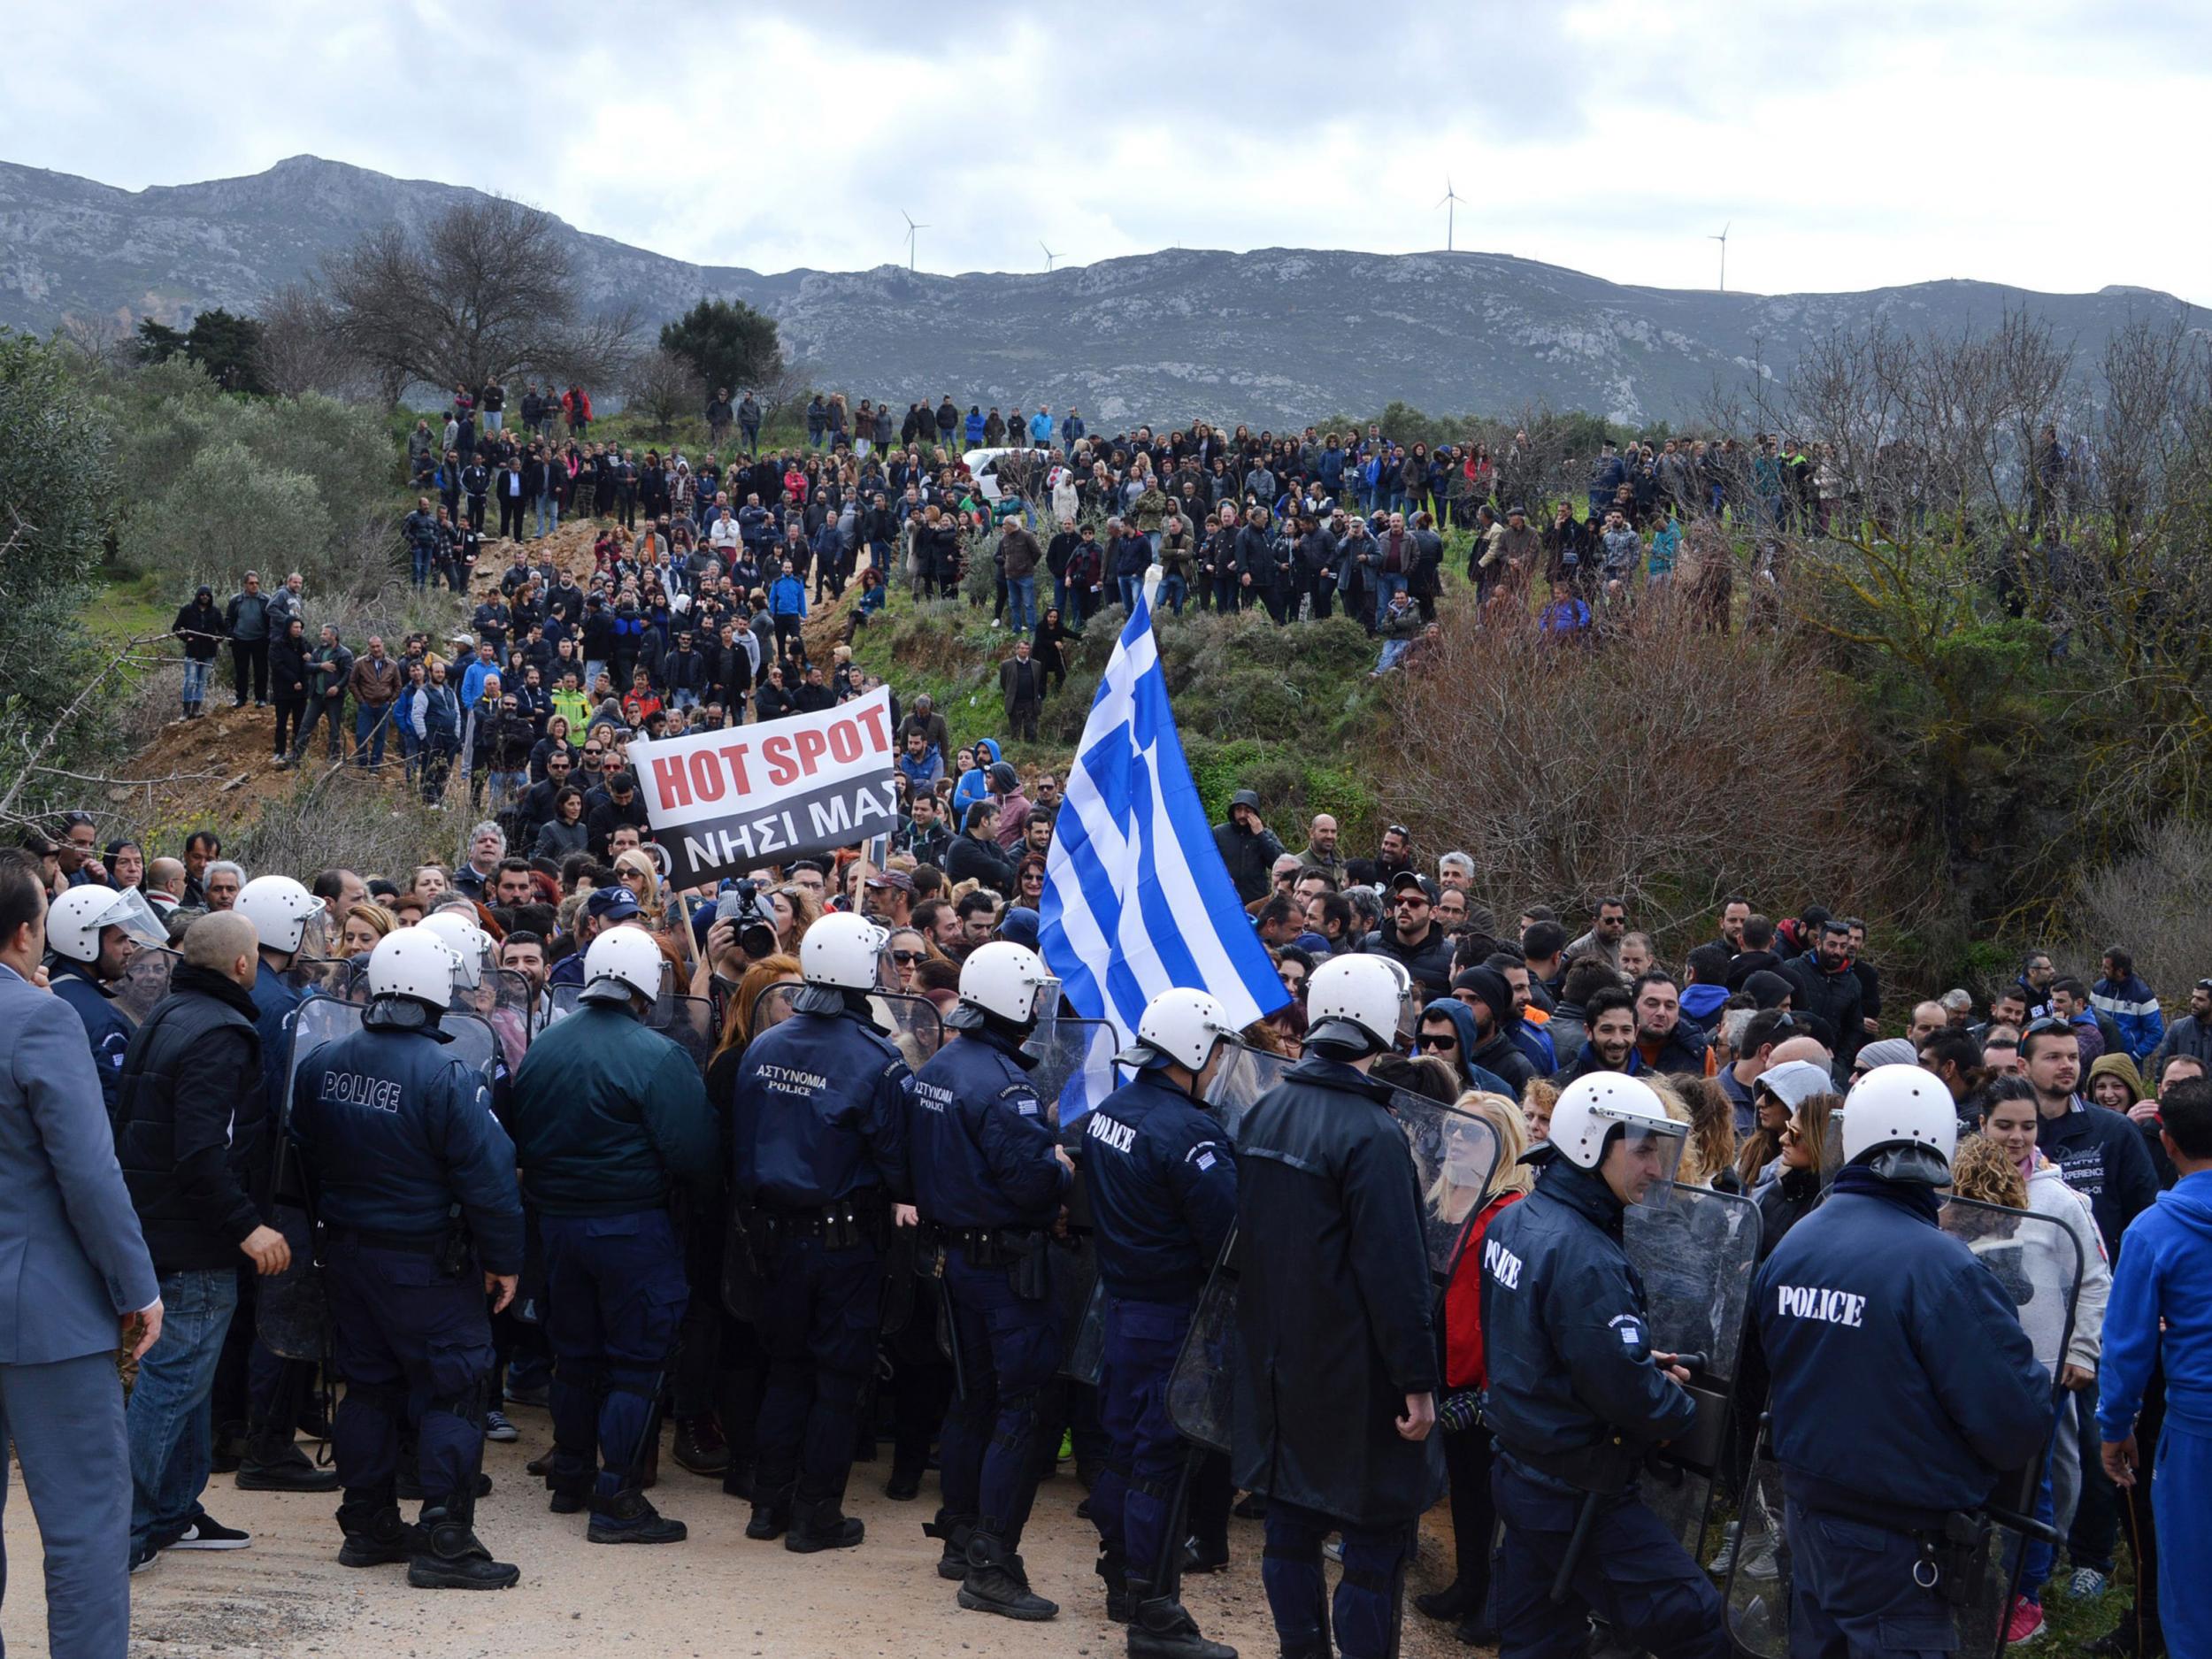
(1049, 257)
(911, 237)
(1722, 240)
(1449, 202)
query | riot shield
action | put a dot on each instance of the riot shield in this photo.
(1075, 1066)
(291, 1315)
(561, 1000)
(1696, 1258)
(911, 1022)
(1244, 1074)
(145, 982)
(687, 1022)
(1455, 1154)
(500, 998)
(2038, 1261)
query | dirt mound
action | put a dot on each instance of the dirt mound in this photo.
(220, 771)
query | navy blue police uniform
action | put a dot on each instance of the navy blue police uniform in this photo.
(988, 1179)
(396, 1133)
(1162, 1188)
(1877, 1445)
(106, 1027)
(1576, 1402)
(819, 1133)
(607, 1115)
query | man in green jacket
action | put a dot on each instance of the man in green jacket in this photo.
(608, 1116)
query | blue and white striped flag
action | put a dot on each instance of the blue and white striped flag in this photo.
(1136, 897)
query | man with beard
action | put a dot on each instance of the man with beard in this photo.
(1609, 1017)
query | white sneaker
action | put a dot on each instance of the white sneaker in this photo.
(2086, 1584)
(497, 1428)
(1758, 1562)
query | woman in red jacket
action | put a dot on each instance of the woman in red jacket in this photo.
(1467, 1444)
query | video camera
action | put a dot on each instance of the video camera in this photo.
(740, 903)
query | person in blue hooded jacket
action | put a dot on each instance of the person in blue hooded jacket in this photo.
(1904, 1389)
(2159, 1315)
(1450, 1032)
(2123, 997)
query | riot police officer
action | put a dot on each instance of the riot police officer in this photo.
(293, 926)
(819, 1133)
(607, 1114)
(988, 1177)
(1336, 1365)
(92, 948)
(397, 1136)
(1577, 1397)
(1162, 1188)
(1903, 1387)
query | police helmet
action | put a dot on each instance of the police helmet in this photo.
(1003, 981)
(1904, 1115)
(1356, 1001)
(413, 963)
(623, 961)
(470, 944)
(281, 909)
(76, 920)
(1592, 1107)
(843, 952)
(1180, 1027)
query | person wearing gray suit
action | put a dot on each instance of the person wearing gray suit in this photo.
(78, 1283)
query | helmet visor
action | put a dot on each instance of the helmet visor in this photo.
(135, 916)
(315, 934)
(1642, 1163)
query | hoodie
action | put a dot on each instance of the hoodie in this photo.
(1702, 1004)
(2130, 1006)
(2165, 1273)
(1463, 1018)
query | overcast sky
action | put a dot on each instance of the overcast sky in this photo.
(1845, 146)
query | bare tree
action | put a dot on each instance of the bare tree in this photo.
(664, 389)
(301, 349)
(487, 289)
(105, 342)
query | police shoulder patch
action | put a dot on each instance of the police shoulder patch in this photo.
(1204, 1156)
(1022, 1098)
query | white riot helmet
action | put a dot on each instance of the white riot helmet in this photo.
(1592, 1107)
(280, 909)
(1002, 978)
(843, 952)
(412, 963)
(470, 944)
(1360, 997)
(75, 921)
(1181, 1026)
(623, 961)
(1903, 1114)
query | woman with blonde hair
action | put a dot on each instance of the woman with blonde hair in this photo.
(1468, 1446)
(363, 925)
(634, 869)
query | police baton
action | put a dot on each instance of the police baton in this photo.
(1578, 1540)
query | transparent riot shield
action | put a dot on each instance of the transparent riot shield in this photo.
(1244, 1074)
(911, 1022)
(500, 998)
(1075, 1067)
(688, 1023)
(1696, 1257)
(2039, 1262)
(290, 1313)
(145, 982)
(1455, 1154)
(561, 1000)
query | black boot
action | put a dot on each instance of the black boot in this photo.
(699, 1446)
(955, 1530)
(1450, 1605)
(274, 1462)
(1113, 1567)
(628, 1518)
(998, 1583)
(570, 1493)
(818, 1526)
(375, 1535)
(452, 1558)
(737, 1479)
(1160, 1628)
(771, 1513)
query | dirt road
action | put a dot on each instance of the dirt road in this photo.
(715, 1596)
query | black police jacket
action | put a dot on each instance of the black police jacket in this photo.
(982, 1151)
(1563, 1324)
(1903, 1381)
(1334, 1328)
(396, 1130)
(1162, 1188)
(818, 1112)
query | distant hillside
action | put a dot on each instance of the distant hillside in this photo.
(1272, 336)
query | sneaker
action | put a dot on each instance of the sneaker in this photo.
(207, 1533)
(141, 1559)
(2086, 1585)
(497, 1428)
(1725, 1557)
(1758, 1562)
(2026, 1622)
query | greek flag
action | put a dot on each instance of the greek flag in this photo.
(1136, 897)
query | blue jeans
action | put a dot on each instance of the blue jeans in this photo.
(1021, 603)
(1174, 589)
(506, 788)
(493, 418)
(196, 682)
(1387, 585)
(418, 563)
(369, 727)
(1393, 650)
(167, 1419)
(548, 513)
(1130, 587)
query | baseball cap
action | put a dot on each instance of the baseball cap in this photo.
(612, 905)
